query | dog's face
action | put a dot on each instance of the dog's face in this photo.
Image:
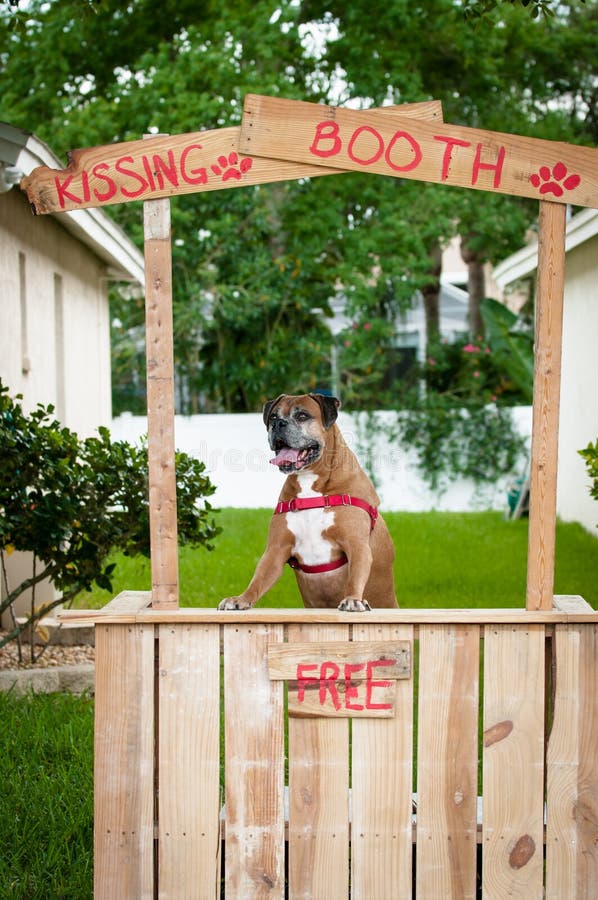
(296, 429)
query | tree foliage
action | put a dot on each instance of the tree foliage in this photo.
(251, 265)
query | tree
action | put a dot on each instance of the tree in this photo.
(251, 265)
(71, 503)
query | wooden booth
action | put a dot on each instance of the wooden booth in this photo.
(274, 753)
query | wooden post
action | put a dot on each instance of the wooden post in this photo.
(545, 428)
(160, 404)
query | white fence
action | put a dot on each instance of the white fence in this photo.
(236, 453)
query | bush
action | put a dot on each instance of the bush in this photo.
(72, 502)
(590, 454)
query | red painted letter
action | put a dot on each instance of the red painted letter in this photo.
(496, 167)
(328, 682)
(63, 193)
(350, 690)
(352, 142)
(118, 165)
(330, 135)
(201, 173)
(168, 169)
(448, 153)
(303, 680)
(417, 152)
(111, 190)
(370, 685)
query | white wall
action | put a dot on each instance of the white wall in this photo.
(236, 453)
(579, 385)
(45, 268)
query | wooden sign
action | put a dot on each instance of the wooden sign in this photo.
(341, 678)
(423, 151)
(166, 166)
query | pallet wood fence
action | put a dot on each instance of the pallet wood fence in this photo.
(324, 755)
(482, 782)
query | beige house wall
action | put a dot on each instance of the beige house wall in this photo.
(54, 318)
(579, 396)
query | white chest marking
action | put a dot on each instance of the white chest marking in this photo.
(307, 526)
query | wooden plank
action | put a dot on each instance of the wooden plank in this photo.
(189, 762)
(513, 762)
(284, 660)
(545, 424)
(160, 405)
(572, 798)
(127, 603)
(123, 762)
(401, 616)
(403, 148)
(340, 699)
(382, 771)
(254, 765)
(447, 761)
(318, 795)
(163, 167)
(571, 603)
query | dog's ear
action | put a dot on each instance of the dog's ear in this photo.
(329, 406)
(269, 406)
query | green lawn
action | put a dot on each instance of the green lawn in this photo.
(442, 560)
(46, 801)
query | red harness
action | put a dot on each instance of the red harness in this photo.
(323, 502)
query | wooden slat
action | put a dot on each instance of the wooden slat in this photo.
(164, 166)
(440, 153)
(403, 616)
(572, 799)
(189, 762)
(447, 761)
(284, 659)
(382, 770)
(547, 388)
(571, 603)
(513, 763)
(160, 405)
(318, 795)
(123, 764)
(336, 702)
(254, 766)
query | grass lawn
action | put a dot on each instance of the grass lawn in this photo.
(442, 560)
(46, 801)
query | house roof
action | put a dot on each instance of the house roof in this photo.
(20, 153)
(580, 228)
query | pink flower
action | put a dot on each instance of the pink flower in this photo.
(367, 326)
(468, 348)
(431, 361)
(476, 374)
(347, 343)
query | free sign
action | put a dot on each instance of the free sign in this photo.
(341, 678)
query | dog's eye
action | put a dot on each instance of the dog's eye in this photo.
(302, 416)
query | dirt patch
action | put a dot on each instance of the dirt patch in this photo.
(53, 656)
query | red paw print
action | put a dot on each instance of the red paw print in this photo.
(553, 182)
(230, 167)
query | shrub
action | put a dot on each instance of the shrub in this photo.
(72, 502)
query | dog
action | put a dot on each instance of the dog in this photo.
(326, 524)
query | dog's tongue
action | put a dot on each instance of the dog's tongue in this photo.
(286, 456)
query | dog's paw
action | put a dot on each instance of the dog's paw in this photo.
(234, 603)
(352, 604)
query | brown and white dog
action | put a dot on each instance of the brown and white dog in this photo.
(326, 524)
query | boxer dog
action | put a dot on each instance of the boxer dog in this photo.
(326, 524)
